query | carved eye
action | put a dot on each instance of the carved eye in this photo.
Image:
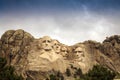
(48, 41)
(63, 50)
(44, 41)
(78, 51)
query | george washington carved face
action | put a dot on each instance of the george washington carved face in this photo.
(46, 43)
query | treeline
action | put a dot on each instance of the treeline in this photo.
(7, 72)
(98, 72)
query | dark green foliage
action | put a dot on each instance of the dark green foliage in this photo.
(68, 73)
(56, 76)
(47, 79)
(117, 76)
(62, 77)
(28, 78)
(99, 73)
(7, 72)
(78, 73)
(2, 62)
(52, 77)
(71, 66)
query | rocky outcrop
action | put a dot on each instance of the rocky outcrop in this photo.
(14, 47)
(98, 57)
(111, 48)
(36, 59)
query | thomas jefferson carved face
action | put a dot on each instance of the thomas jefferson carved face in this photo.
(56, 46)
(46, 43)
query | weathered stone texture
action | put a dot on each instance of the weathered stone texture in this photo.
(38, 57)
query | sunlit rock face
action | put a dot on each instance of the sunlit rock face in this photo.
(80, 54)
(14, 47)
(64, 51)
(45, 58)
(82, 58)
(56, 46)
(46, 43)
(32, 57)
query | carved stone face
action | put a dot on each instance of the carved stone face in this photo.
(79, 52)
(46, 43)
(64, 51)
(56, 46)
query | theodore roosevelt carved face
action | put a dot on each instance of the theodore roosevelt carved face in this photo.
(64, 51)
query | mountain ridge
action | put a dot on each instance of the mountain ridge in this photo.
(35, 57)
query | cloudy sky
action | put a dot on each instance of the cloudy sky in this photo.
(69, 21)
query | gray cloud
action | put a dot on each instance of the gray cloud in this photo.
(67, 28)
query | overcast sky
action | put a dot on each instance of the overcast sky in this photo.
(69, 21)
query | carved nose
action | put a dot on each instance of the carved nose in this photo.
(46, 44)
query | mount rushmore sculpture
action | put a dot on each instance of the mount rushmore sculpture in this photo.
(32, 57)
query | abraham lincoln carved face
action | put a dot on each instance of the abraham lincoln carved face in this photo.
(79, 52)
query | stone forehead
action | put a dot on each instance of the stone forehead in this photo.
(55, 41)
(78, 49)
(63, 48)
(46, 38)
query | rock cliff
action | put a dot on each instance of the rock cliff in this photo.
(38, 58)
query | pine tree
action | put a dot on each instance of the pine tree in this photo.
(68, 73)
(99, 72)
(7, 72)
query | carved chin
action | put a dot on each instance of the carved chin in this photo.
(47, 48)
(57, 50)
